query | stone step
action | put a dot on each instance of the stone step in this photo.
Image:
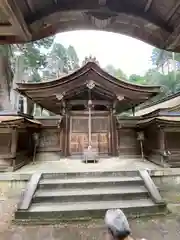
(174, 164)
(90, 174)
(94, 194)
(87, 210)
(174, 161)
(90, 182)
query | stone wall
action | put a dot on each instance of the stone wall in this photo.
(169, 187)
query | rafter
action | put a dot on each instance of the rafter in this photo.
(16, 18)
(148, 5)
(173, 39)
(172, 11)
(30, 5)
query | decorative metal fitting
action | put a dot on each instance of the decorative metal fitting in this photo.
(59, 96)
(90, 84)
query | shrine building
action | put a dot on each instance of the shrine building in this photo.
(87, 110)
(87, 103)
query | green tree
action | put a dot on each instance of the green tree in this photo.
(60, 60)
(137, 79)
(32, 59)
(116, 72)
(161, 59)
(73, 58)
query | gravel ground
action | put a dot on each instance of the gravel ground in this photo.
(162, 228)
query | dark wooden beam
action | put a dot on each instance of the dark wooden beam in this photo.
(172, 11)
(84, 102)
(148, 5)
(139, 13)
(30, 5)
(6, 30)
(16, 18)
(173, 39)
(50, 13)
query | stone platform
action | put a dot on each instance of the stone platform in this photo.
(45, 163)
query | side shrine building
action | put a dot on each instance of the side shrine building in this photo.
(86, 107)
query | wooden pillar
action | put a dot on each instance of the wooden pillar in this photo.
(162, 146)
(161, 139)
(30, 107)
(133, 111)
(14, 149)
(66, 133)
(113, 134)
(21, 104)
(14, 142)
(109, 136)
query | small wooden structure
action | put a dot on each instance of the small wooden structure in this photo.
(162, 134)
(153, 21)
(161, 124)
(16, 140)
(87, 102)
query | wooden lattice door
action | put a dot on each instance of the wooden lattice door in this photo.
(100, 133)
(79, 135)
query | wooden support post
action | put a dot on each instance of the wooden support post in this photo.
(30, 107)
(162, 143)
(113, 133)
(14, 142)
(133, 111)
(66, 134)
(89, 128)
(109, 136)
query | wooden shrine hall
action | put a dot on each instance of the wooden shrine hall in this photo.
(86, 104)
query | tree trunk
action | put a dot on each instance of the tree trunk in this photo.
(5, 83)
(18, 77)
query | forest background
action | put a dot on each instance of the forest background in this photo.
(45, 60)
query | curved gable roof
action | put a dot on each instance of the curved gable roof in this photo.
(126, 94)
(88, 68)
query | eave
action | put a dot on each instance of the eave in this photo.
(72, 84)
(153, 21)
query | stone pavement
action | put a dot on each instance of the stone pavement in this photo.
(73, 165)
(159, 228)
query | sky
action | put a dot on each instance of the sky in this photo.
(132, 56)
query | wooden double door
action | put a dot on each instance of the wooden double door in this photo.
(79, 134)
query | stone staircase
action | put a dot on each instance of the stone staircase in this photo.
(56, 197)
(174, 160)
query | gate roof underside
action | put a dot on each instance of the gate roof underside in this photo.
(53, 95)
(153, 21)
